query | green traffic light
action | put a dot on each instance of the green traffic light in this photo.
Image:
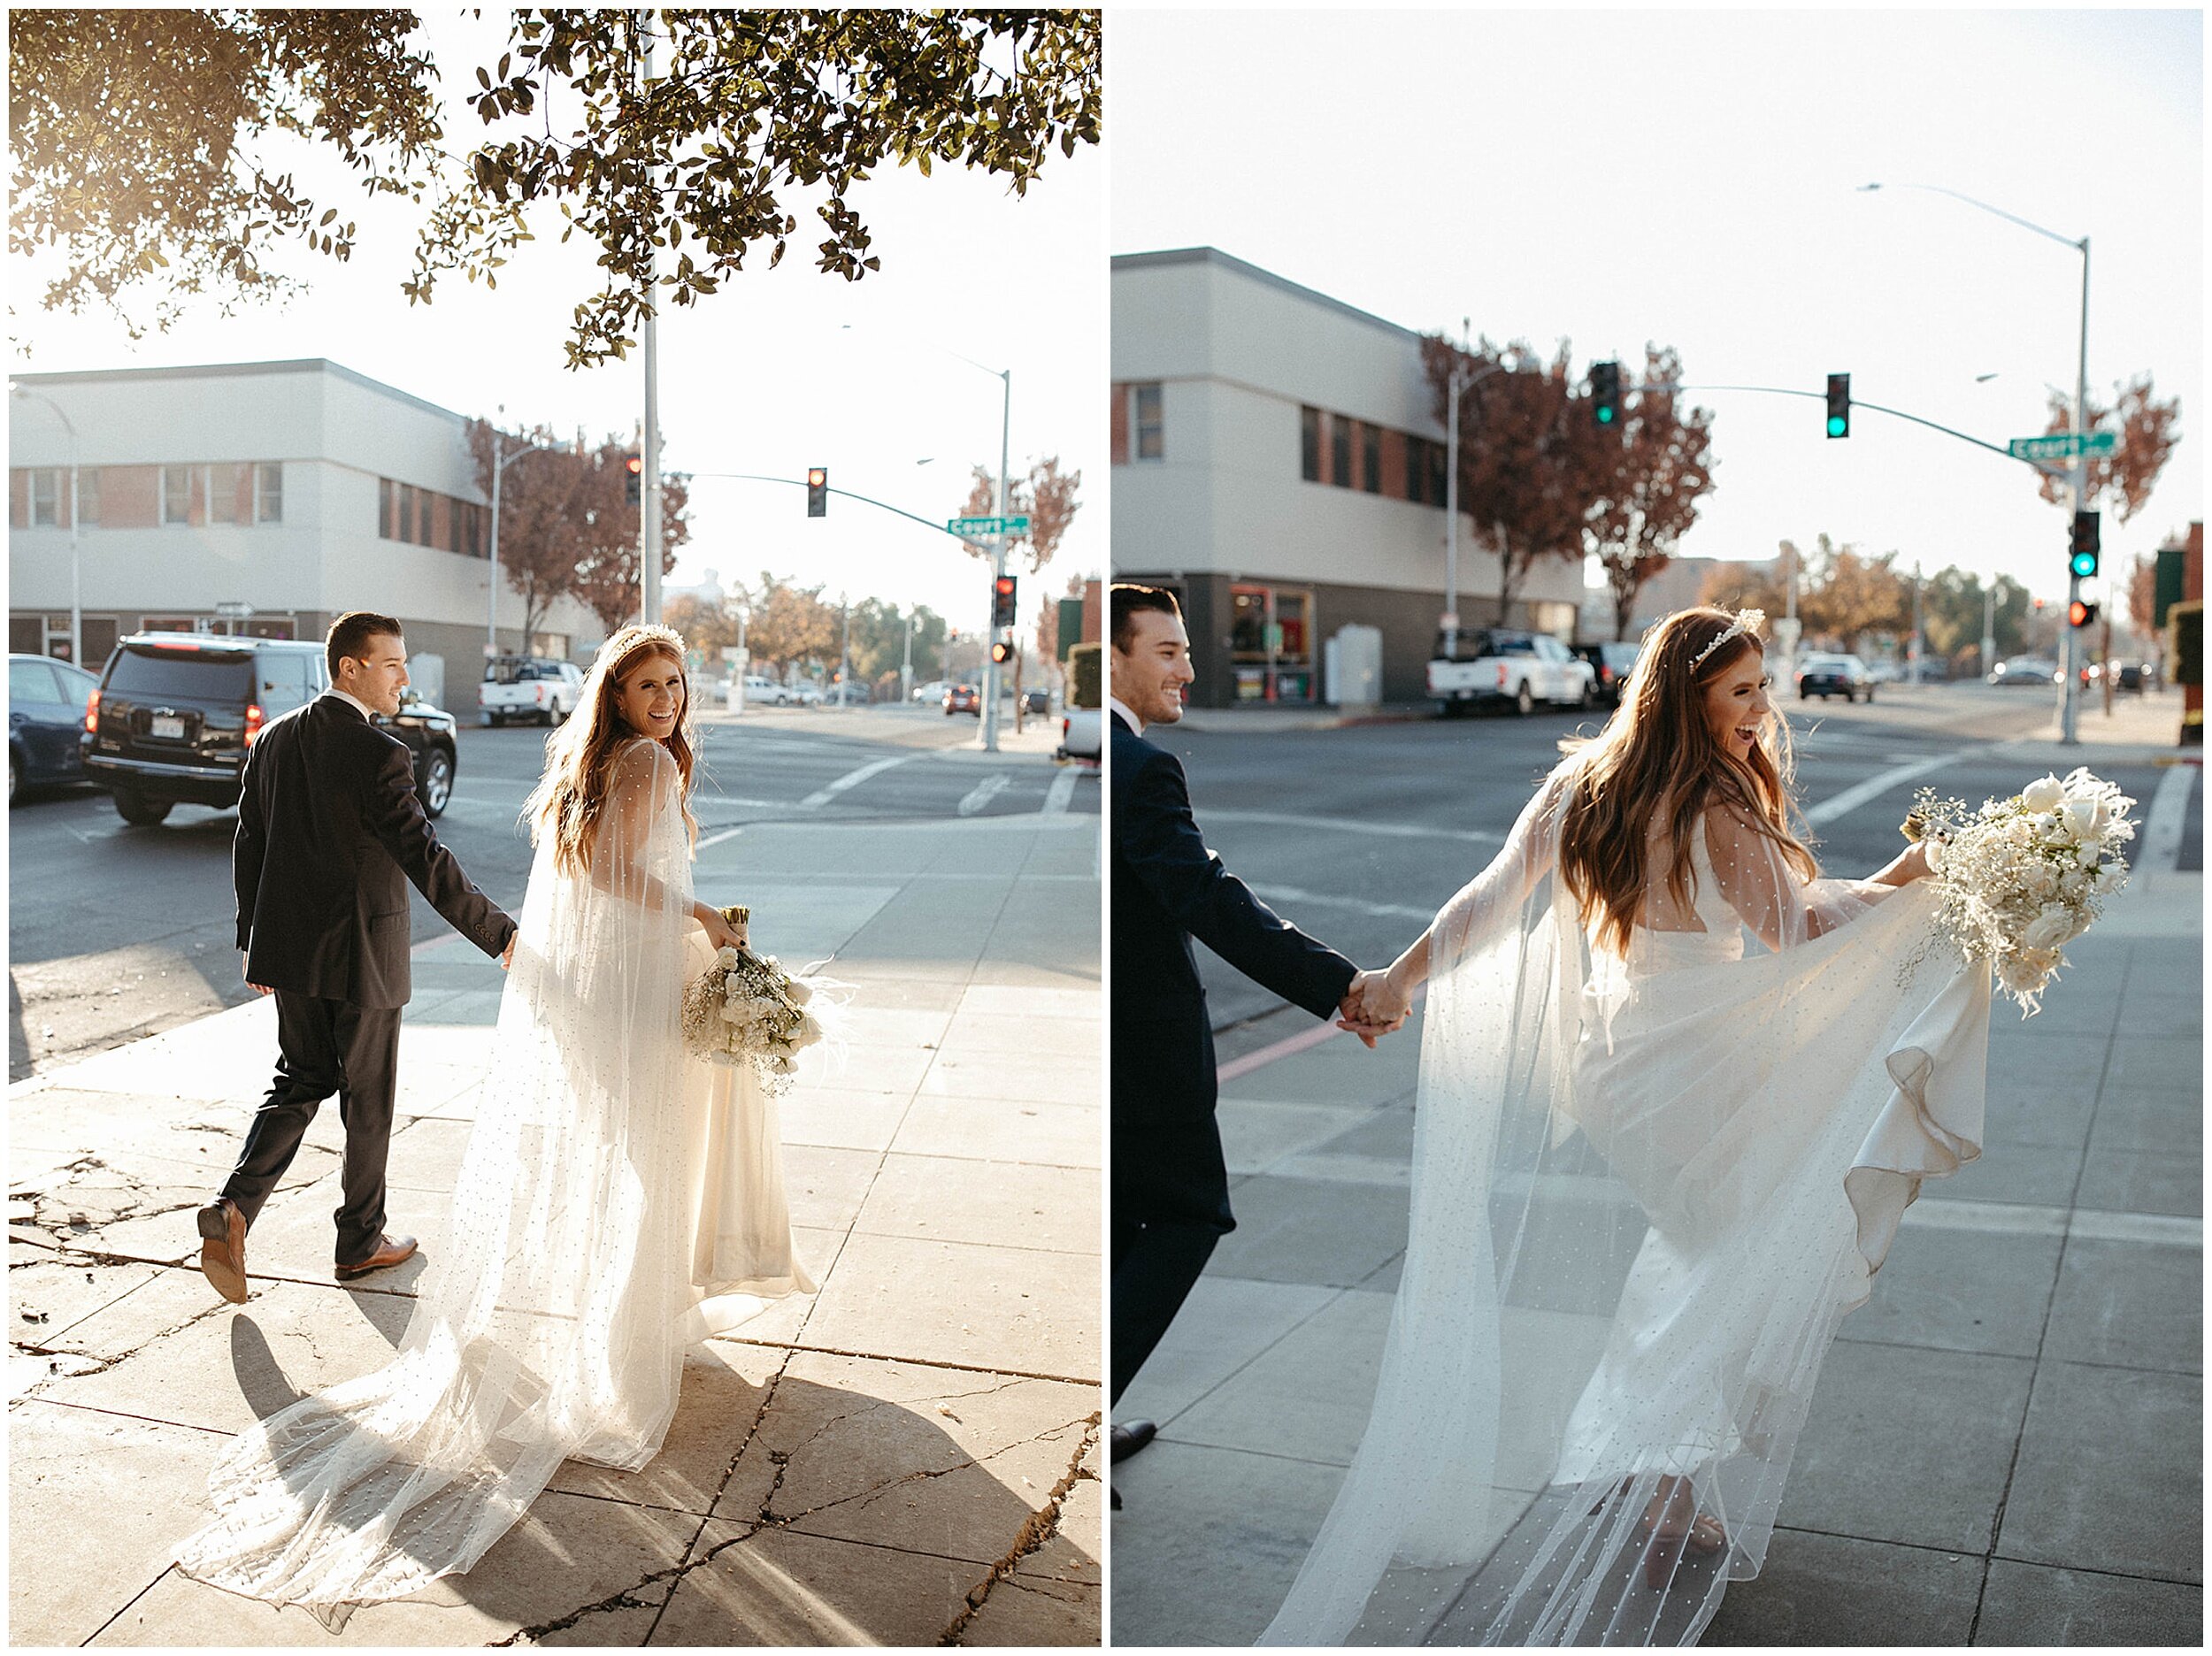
(1836, 425)
(2084, 564)
(1605, 417)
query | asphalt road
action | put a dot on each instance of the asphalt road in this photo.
(116, 932)
(1359, 835)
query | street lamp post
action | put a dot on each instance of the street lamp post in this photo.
(906, 667)
(499, 470)
(2068, 696)
(76, 562)
(1461, 380)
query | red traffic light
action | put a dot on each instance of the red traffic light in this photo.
(1002, 652)
(1003, 586)
(2080, 613)
(634, 464)
(816, 475)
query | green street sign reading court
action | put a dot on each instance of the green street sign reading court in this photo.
(1014, 524)
(2063, 445)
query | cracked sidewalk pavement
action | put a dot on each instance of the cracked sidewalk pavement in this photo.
(910, 1457)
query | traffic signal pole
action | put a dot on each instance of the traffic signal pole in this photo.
(2069, 699)
(998, 561)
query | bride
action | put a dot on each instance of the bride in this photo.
(616, 1202)
(1656, 1162)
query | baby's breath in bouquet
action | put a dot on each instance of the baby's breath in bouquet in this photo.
(2024, 876)
(746, 1008)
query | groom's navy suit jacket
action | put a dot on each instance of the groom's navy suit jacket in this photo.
(1168, 889)
(330, 834)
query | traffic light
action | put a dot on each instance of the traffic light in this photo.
(2081, 613)
(2083, 565)
(818, 490)
(1002, 651)
(1605, 392)
(1001, 602)
(633, 478)
(1838, 405)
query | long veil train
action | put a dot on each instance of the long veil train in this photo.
(1645, 1192)
(616, 1202)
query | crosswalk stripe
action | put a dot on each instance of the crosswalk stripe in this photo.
(984, 792)
(829, 790)
(1060, 793)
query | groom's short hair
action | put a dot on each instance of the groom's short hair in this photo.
(350, 633)
(1126, 598)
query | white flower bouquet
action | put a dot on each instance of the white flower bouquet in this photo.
(2024, 876)
(746, 1008)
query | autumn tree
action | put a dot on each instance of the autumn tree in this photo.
(1524, 477)
(2146, 438)
(1841, 593)
(1648, 480)
(1048, 619)
(1045, 496)
(790, 625)
(141, 140)
(565, 526)
(705, 626)
(2143, 597)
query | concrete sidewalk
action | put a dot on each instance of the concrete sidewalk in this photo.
(2005, 1447)
(908, 1458)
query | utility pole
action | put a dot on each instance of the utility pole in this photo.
(2070, 697)
(998, 561)
(1912, 656)
(906, 667)
(845, 655)
(649, 525)
(1989, 628)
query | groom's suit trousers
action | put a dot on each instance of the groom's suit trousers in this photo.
(327, 1047)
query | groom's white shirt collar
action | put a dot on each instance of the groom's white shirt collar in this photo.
(1135, 725)
(367, 712)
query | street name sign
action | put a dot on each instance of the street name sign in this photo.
(1013, 526)
(2063, 445)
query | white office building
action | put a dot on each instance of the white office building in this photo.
(1277, 463)
(261, 498)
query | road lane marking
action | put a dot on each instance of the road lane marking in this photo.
(716, 839)
(829, 790)
(2167, 821)
(1882, 781)
(1275, 894)
(1059, 793)
(1347, 824)
(984, 792)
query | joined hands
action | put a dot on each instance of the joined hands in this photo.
(1373, 1006)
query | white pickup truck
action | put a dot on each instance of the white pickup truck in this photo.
(529, 687)
(1082, 730)
(1474, 665)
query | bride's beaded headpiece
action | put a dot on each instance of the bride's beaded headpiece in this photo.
(1746, 621)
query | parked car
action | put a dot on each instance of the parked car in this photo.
(532, 687)
(2025, 670)
(933, 691)
(1082, 732)
(46, 705)
(1474, 665)
(803, 695)
(1612, 664)
(766, 690)
(848, 696)
(175, 713)
(2128, 678)
(1036, 700)
(964, 698)
(1826, 676)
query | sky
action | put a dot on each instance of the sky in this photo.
(1691, 179)
(781, 371)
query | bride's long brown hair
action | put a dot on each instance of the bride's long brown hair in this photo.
(571, 796)
(1657, 754)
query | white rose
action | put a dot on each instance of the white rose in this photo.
(2053, 926)
(2087, 853)
(2073, 882)
(2045, 793)
(2039, 880)
(2106, 877)
(2078, 816)
(2016, 974)
(725, 957)
(799, 992)
(808, 1031)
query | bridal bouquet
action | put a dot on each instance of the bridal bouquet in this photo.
(746, 1008)
(2022, 876)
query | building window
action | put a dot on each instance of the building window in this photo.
(406, 512)
(1370, 459)
(46, 486)
(176, 495)
(1436, 473)
(1340, 451)
(1310, 444)
(222, 494)
(269, 492)
(1150, 438)
(424, 505)
(384, 509)
(89, 495)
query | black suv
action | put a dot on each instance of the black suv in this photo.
(176, 711)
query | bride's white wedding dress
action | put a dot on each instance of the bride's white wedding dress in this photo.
(1646, 1190)
(617, 1202)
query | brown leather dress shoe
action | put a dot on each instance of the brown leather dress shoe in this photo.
(223, 1252)
(390, 1250)
(1128, 1439)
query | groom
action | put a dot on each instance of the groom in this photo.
(1171, 1185)
(329, 835)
